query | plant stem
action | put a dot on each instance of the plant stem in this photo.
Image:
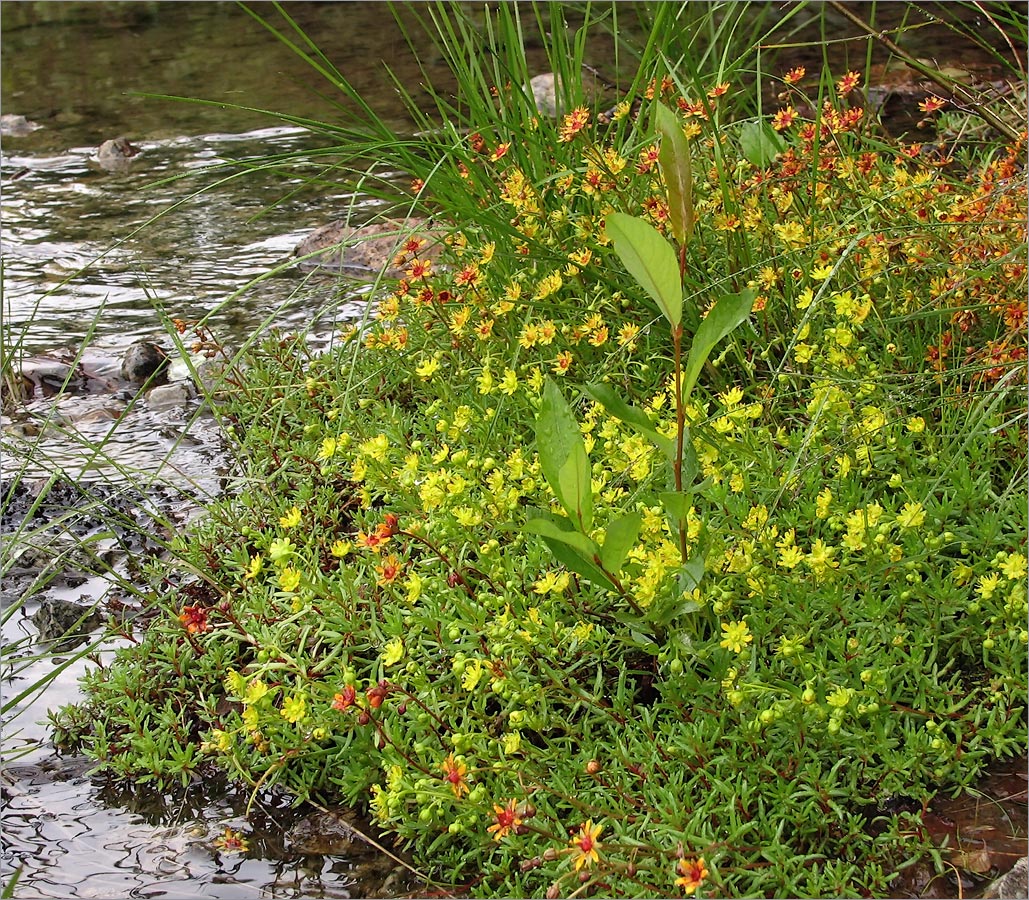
(680, 429)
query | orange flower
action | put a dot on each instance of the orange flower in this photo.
(454, 772)
(388, 571)
(718, 90)
(231, 841)
(345, 699)
(847, 83)
(420, 268)
(932, 103)
(784, 118)
(586, 844)
(507, 819)
(692, 873)
(573, 123)
(563, 362)
(500, 152)
(194, 618)
(794, 75)
(373, 541)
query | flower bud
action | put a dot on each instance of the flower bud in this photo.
(550, 854)
(554, 891)
(593, 767)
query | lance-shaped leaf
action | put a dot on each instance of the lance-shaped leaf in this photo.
(563, 458)
(564, 531)
(650, 259)
(619, 538)
(726, 315)
(760, 144)
(676, 167)
(609, 398)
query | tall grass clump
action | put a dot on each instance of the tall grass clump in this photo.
(664, 534)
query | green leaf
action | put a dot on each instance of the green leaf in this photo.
(563, 458)
(760, 144)
(576, 483)
(631, 415)
(676, 504)
(562, 530)
(650, 259)
(574, 562)
(692, 572)
(728, 313)
(677, 170)
(619, 538)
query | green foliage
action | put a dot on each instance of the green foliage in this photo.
(780, 579)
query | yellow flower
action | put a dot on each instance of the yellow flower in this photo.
(822, 503)
(294, 708)
(393, 652)
(988, 584)
(291, 519)
(509, 383)
(256, 564)
(328, 449)
(586, 844)
(737, 636)
(428, 368)
(472, 675)
(911, 516)
(255, 691)
(340, 548)
(1015, 567)
(289, 579)
(916, 424)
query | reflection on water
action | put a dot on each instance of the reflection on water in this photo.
(106, 257)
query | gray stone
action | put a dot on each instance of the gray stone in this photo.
(1012, 885)
(65, 621)
(364, 250)
(333, 832)
(170, 396)
(144, 361)
(115, 155)
(12, 125)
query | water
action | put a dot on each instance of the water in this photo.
(80, 267)
(103, 258)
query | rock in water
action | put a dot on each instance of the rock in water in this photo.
(116, 154)
(144, 362)
(366, 249)
(1014, 883)
(12, 125)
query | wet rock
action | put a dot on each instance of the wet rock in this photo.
(546, 87)
(365, 250)
(1011, 885)
(116, 154)
(12, 125)
(65, 621)
(334, 832)
(144, 361)
(170, 396)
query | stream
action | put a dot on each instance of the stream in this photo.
(100, 258)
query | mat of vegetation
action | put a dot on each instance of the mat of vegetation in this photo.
(665, 534)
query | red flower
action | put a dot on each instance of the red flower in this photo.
(692, 873)
(195, 619)
(794, 75)
(506, 820)
(345, 699)
(847, 83)
(454, 773)
(377, 694)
